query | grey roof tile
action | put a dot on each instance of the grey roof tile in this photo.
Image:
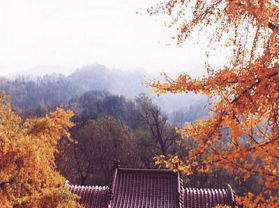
(91, 196)
(146, 188)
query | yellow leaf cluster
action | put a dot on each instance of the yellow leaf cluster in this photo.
(245, 93)
(27, 170)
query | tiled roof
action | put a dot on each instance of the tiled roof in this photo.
(140, 188)
(145, 188)
(207, 198)
(91, 196)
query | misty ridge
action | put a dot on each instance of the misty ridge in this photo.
(33, 92)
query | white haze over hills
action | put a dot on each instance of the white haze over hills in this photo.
(127, 83)
(41, 71)
(63, 35)
(119, 82)
(40, 37)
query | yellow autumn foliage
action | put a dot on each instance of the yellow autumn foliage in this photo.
(244, 92)
(28, 176)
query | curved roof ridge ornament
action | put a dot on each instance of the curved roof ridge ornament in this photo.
(230, 195)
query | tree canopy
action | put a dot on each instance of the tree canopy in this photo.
(28, 177)
(242, 133)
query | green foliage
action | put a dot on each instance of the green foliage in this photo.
(96, 104)
(99, 143)
(44, 92)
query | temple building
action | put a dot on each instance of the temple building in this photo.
(150, 188)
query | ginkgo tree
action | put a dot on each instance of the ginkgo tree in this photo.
(244, 92)
(28, 177)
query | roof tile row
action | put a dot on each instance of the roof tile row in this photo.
(207, 198)
(142, 188)
(91, 196)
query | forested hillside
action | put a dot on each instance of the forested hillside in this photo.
(43, 92)
(110, 125)
(113, 119)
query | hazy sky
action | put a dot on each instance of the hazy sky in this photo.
(68, 34)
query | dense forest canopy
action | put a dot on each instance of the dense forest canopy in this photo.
(94, 110)
(105, 122)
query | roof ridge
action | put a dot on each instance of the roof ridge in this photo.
(150, 187)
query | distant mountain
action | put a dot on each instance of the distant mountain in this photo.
(30, 90)
(99, 77)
